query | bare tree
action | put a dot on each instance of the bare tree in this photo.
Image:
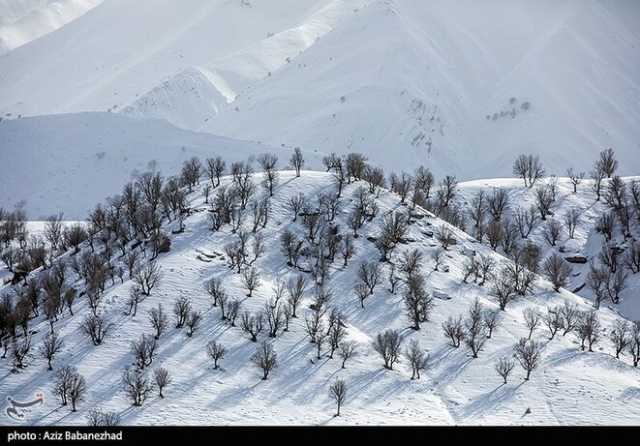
(95, 327)
(529, 168)
(162, 379)
(193, 322)
(346, 350)
(553, 320)
(532, 320)
(417, 358)
(588, 329)
(551, 231)
(444, 235)
(491, 320)
(265, 358)
(575, 178)
(251, 280)
(252, 324)
(62, 383)
(144, 351)
(608, 162)
(620, 336)
(216, 352)
(527, 352)
(369, 274)
(498, 203)
(557, 270)
(296, 204)
(295, 288)
(77, 389)
(571, 220)
(98, 418)
(388, 345)
(51, 345)
(454, 330)
(504, 290)
(148, 277)
(525, 220)
(338, 391)
(268, 163)
(475, 334)
(297, 160)
(181, 309)
(215, 168)
(504, 366)
(417, 300)
(137, 386)
(570, 318)
(634, 343)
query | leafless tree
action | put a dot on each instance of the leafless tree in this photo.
(475, 331)
(346, 350)
(525, 220)
(553, 320)
(570, 318)
(295, 289)
(251, 280)
(551, 231)
(504, 290)
(632, 257)
(498, 203)
(369, 274)
(532, 320)
(51, 346)
(417, 300)
(162, 379)
(193, 322)
(444, 235)
(338, 391)
(620, 336)
(296, 204)
(265, 358)
(544, 201)
(62, 383)
(95, 327)
(181, 309)
(571, 220)
(417, 358)
(575, 178)
(388, 345)
(268, 163)
(216, 352)
(588, 329)
(528, 352)
(504, 366)
(454, 330)
(597, 176)
(190, 174)
(634, 343)
(215, 168)
(144, 351)
(148, 277)
(557, 270)
(252, 324)
(136, 385)
(53, 230)
(495, 234)
(608, 162)
(159, 320)
(98, 418)
(491, 320)
(216, 290)
(529, 168)
(361, 291)
(297, 160)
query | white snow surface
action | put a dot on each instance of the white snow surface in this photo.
(569, 387)
(401, 80)
(75, 161)
(22, 21)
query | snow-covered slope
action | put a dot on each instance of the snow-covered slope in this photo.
(587, 241)
(22, 21)
(569, 387)
(463, 86)
(69, 162)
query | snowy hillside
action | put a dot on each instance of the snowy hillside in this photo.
(464, 87)
(94, 153)
(587, 241)
(22, 21)
(569, 386)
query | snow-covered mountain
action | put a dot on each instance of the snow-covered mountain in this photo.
(96, 153)
(568, 386)
(464, 87)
